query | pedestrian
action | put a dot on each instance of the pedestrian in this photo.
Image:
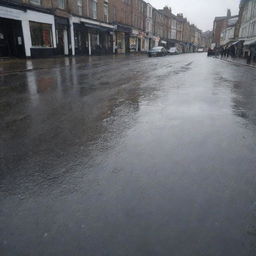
(253, 53)
(222, 52)
(228, 53)
(249, 56)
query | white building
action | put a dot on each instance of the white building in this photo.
(25, 32)
(228, 34)
(248, 22)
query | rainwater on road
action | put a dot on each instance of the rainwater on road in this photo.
(129, 156)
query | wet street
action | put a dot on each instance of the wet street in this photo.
(129, 156)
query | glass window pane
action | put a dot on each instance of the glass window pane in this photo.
(41, 34)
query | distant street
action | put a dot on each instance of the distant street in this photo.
(129, 156)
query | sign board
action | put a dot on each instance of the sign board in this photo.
(10, 13)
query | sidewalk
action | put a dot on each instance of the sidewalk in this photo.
(13, 65)
(238, 61)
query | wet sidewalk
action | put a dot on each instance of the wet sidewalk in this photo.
(8, 66)
(238, 61)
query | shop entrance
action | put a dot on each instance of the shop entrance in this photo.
(11, 38)
(81, 40)
(62, 41)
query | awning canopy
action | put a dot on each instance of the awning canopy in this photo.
(236, 42)
(97, 27)
(123, 28)
(250, 42)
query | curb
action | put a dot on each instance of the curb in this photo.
(238, 63)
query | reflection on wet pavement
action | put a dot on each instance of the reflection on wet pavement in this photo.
(128, 156)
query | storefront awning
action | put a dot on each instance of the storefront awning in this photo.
(228, 44)
(250, 42)
(236, 42)
(123, 28)
(97, 27)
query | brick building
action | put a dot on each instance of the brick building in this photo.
(219, 24)
(148, 26)
(167, 25)
(36, 28)
(247, 29)
(55, 27)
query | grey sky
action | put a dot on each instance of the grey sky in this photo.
(199, 12)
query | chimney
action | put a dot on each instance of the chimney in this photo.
(229, 13)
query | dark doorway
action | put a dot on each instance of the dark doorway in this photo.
(62, 35)
(62, 41)
(11, 38)
(139, 44)
(127, 43)
(81, 40)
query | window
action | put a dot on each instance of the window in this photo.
(114, 13)
(36, 2)
(61, 4)
(254, 9)
(147, 26)
(80, 7)
(41, 34)
(94, 9)
(106, 12)
(253, 29)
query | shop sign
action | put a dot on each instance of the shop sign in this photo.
(135, 32)
(10, 13)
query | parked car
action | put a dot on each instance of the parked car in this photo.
(174, 51)
(157, 52)
(200, 50)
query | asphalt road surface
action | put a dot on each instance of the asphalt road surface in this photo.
(129, 156)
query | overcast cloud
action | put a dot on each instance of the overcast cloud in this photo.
(199, 12)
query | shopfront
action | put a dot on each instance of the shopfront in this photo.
(101, 39)
(133, 46)
(11, 38)
(123, 41)
(62, 35)
(135, 42)
(143, 42)
(81, 39)
(26, 32)
(90, 37)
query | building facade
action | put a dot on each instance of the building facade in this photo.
(228, 34)
(148, 26)
(219, 25)
(247, 27)
(41, 28)
(57, 27)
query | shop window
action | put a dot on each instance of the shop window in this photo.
(41, 34)
(35, 2)
(61, 4)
